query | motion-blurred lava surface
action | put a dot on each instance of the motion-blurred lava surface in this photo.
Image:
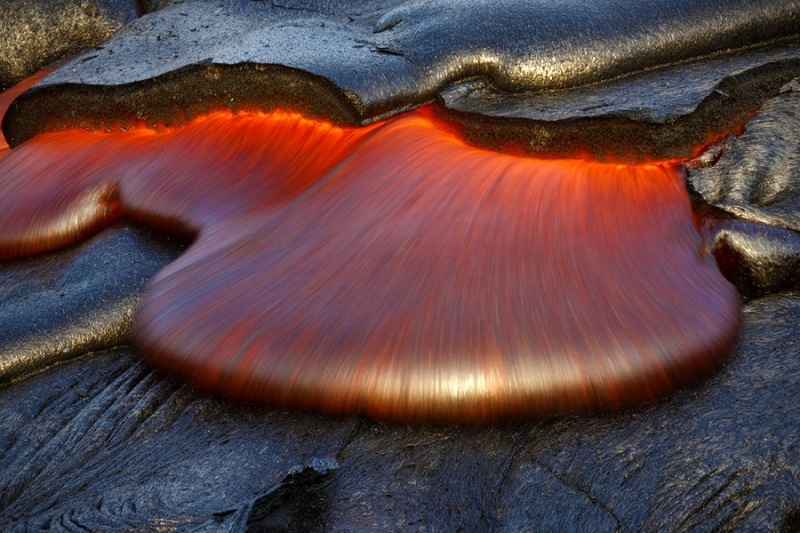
(392, 269)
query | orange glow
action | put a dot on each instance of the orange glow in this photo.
(8, 96)
(390, 270)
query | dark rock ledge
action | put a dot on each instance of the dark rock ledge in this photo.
(353, 63)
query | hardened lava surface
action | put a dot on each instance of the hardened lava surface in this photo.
(33, 34)
(105, 442)
(757, 179)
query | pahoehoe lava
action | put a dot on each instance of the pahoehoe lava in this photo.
(100, 439)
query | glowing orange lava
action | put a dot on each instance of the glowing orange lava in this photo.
(390, 270)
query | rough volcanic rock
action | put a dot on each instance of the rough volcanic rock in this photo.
(79, 300)
(33, 34)
(659, 95)
(757, 258)
(104, 443)
(671, 112)
(547, 45)
(757, 178)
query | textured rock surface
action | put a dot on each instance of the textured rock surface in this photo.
(681, 89)
(758, 179)
(85, 298)
(33, 34)
(104, 443)
(757, 258)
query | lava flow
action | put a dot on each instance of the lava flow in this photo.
(392, 269)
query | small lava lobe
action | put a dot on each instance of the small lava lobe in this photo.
(391, 269)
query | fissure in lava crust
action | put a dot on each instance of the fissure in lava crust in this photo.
(391, 269)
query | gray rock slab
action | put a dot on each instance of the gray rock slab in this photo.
(516, 45)
(104, 443)
(192, 57)
(659, 95)
(676, 112)
(33, 34)
(549, 45)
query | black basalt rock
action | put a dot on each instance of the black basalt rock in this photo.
(757, 258)
(105, 443)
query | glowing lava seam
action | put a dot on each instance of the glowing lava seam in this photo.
(390, 270)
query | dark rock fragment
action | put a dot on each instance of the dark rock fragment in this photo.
(154, 5)
(669, 113)
(296, 503)
(660, 95)
(757, 258)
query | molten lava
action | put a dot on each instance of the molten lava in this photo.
(392, 269)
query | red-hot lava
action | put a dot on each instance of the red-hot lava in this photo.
(392, 269)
